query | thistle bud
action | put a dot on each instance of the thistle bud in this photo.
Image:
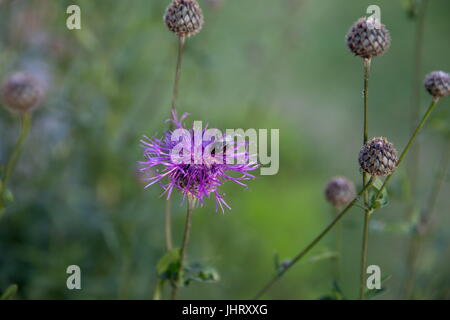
(437, 84)
(22, 91)
(367, 38)
(340, 191)
(184, 17)
(378, 157)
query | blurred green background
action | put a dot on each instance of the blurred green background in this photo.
(256, 64)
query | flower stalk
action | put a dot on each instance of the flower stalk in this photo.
(367, 63)
(313, 243)
(176, 85)
(17, 150)
(186, 237)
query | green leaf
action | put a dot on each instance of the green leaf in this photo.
(201, 273)
(370, 294)
(383, 200)
(10, 292)
(168, 266)
(276, 261)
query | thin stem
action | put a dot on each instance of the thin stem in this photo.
(410, 142)
(168, 204)
(181, 41)
(364, 252)
(416, 89)
(17, 150)
(186, 236)
(302, 253)
(423, 225)
(338, 233)
(168, 224)
(367, 63)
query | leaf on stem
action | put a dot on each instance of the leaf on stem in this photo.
(383, 200)
(10, 292)
(370, 294)
(201, 273)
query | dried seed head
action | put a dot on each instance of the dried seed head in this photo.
(367, 38)
(437, 84)
(340, 191)
(22, 91)
(184, 17)
(378, 157)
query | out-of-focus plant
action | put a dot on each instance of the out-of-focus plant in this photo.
(22, 93)
(378, 157)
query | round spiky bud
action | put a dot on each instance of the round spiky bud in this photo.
(184, 17)
(368, 38)
(437, 84)
(22, 91)
(378, 157)
(340, 191)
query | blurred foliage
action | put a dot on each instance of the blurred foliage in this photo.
(256, 64)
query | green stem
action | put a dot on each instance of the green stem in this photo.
(176, 85)
(364, 252)
(181, 41)
(11, 164)
(338, 232)
(367, 63)
(186, 236)
(423, 225)
(302, 253)
(410, 142)
(416, 89)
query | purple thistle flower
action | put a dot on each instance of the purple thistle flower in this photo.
(203, 166)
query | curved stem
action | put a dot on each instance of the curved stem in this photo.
(302, 253)
(186, 236)
(17, 150)
(410, 142)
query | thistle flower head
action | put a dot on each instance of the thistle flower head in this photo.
(22, 91)
(184, 17)
(340, 191)
(378, 157)
(368, 38)
(437, 84)
(196, 169)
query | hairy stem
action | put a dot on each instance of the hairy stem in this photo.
(186, 236)
(367, 63)
(313, 243)
(410, 142)
(17, 150)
